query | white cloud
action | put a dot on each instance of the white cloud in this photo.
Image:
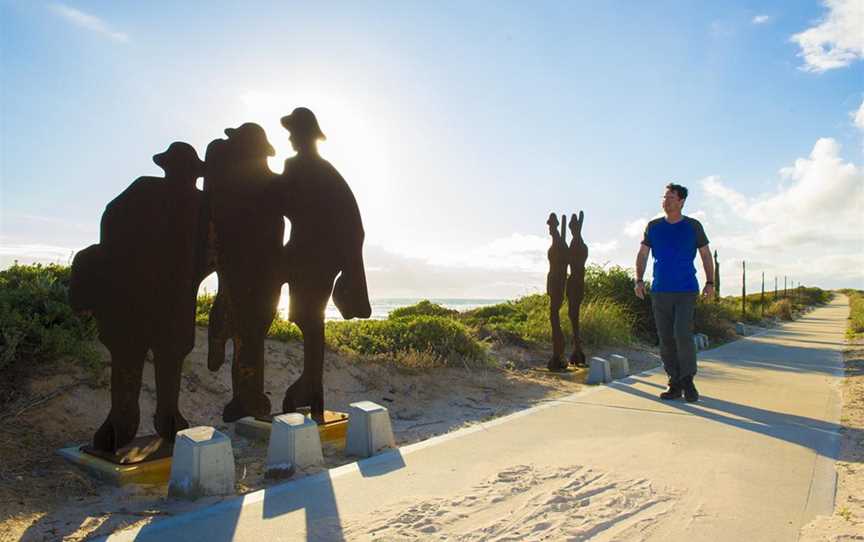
(809, 225)
(602, 248)
(87, 21)
(837, 41)
(635, 228)
(761, 19)
(858, 116)
(36, 252)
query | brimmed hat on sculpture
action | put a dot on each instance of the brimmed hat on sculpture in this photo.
(302, 122)
(180, 156)
(251, 136)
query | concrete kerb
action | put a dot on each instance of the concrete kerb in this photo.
(294, 444)
(234, 504)
(203, 464)
(599, 371)
(369, 429)
(619, 367)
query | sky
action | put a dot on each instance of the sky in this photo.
(461, 125)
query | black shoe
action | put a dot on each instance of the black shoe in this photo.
(672, 392)
(691, 394)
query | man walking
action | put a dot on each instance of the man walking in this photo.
(674, 240)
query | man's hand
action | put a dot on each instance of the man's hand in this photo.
(639, 290)
(708, 290)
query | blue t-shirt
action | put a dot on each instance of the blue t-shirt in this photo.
(674, 247)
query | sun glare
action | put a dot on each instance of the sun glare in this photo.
(356, 145)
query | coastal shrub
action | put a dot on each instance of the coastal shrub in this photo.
(36, 322)
(508, 312)
(714, 320)
(423, 308)
(782, 309)
(856, 312)
(202, 309)
(601, 323)
(605, 323)
(616, 284)
(446, 339)
(284, 330)
(280, 329)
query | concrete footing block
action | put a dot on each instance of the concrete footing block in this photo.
(369, 429)
(203, 464)
(598, 371)
(619, 366)
(294, 444)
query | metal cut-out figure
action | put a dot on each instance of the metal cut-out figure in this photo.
(140, 283)
(326, 240)
(578, 255)
(246, 232)
(558, 255)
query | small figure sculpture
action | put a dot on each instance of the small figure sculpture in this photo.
(326, 239)
(247, 234)
(555, 285)
(141, 283)
(578, 253)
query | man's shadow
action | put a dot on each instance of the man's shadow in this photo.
(818, 435)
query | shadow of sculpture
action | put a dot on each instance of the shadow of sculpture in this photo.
(326, 240)
(141, 283)
(578, 255)
(555, 286)
(246, 234)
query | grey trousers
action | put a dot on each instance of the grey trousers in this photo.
(673, 312)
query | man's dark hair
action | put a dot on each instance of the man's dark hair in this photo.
(678, 189)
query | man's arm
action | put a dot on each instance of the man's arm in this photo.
(708, 265)
(641, 261)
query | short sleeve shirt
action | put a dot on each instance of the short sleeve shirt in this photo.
(674, 248)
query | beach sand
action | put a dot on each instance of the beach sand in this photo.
(847, 522)
(44, 498)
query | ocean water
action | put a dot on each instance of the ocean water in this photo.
(381, 308)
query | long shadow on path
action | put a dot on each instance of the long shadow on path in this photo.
(818, 435)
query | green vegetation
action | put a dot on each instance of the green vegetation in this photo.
(856, 313)
(448, 341)
(715, 319)
(783, 308)
(424, 308)
(526, 320)
(36, 322)
(280, 330)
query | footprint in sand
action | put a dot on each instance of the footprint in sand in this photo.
(526, 503)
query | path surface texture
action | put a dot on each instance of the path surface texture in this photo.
(753, 460)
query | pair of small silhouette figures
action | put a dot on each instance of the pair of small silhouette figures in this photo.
(162, 236)
(558, 282)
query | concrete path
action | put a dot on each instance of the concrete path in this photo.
(753, 460)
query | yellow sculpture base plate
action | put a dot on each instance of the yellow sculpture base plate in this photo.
(144, 461)
(332, 431)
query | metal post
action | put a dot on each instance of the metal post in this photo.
(762, 298)
(743, 289)
(716, 277)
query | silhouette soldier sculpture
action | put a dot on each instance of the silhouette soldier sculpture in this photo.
(141, 282)
(326, 239)
(578, 253)
(246, 231)
(555, 281)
